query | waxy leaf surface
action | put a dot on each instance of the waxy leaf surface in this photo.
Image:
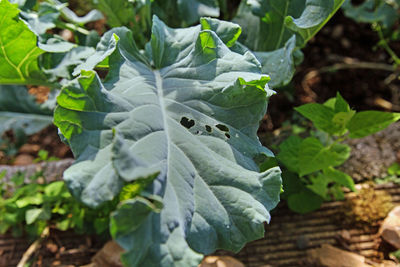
(186, 123)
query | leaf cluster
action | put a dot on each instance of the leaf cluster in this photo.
(30, 205)
(311, 161)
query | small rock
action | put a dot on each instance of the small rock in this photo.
(29, 149)
(23, 159)
(390, 229)
(53, 248)
(329, 256)
(220, 261)
(108, 256)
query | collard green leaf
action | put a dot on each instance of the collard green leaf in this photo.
(365, 123)
(272, 23)
(279, 64)
(191, 10)
(19, 111)
(19, 52)
(191, 121)
(281, 27)
(43, 20)
(371, 11)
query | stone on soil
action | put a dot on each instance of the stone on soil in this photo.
(390, 228)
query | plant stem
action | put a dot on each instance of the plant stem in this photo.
(72, 27)
(386, 46)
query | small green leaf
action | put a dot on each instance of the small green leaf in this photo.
(340, 178)
(394, 169)
(32, 215)
(314, 156)
(365, 123)
(340, 104)
(289, 153)
(320, 115)
(319, 185)
(54, 189)
(36, 199)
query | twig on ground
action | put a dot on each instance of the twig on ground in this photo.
(32, 248)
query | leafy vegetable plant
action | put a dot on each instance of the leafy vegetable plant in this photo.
(311, 177)
(163, 121)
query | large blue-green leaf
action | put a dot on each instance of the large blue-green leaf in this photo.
(186, 124)
(370, 11)
(274, 26)
(19, 111)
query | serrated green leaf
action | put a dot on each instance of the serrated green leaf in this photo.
(341, 105)
(365, 123)
(190, 119)
(321, 116)
(18, 50)
(341, 178)
(319, 185)
(313, 156)
(289, 153)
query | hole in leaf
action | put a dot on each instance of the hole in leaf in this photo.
(222, 127)
(228, 135)
(187, 123)
(208, 128)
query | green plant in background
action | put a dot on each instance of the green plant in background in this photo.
(31, 207)
(393, 175)
(311, 177)
(382, 15)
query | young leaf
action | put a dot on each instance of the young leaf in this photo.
(313, 156)
(339, 177)
(341, 105)
(365, 123)
(191, 120)
(19, 52)
(289, 153)
(321, 116)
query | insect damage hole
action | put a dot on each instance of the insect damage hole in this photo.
(187, 123)
(222, 127)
